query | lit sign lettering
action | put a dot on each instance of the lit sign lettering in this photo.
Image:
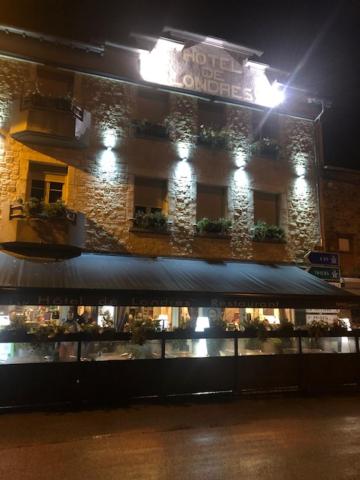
(208, 69)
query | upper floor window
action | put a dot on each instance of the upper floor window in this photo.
(265, 125)
(266, 208)
(54, 83)
(47, 182)
(344, 244)
(152, 105)
(211, 114)
(150, 196)
(211, 202)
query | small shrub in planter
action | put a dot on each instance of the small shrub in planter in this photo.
(266, 147)
(155, 221)
(263, 232)
(146, 128)
(220, 226)
(212, 137)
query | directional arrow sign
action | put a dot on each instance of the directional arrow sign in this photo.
(322, 258)
(326, 273)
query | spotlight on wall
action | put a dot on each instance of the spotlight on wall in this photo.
(109, 138)
(300, 170)
(240, 159)
(183, 150)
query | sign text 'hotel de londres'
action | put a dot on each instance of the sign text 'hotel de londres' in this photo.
(209, 69)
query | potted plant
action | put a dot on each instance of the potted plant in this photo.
(152, 221)
(266, 147)
(219, 226)
(212, 136)
(262, 231)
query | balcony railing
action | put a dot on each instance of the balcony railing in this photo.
(53, 121)
(36, 234)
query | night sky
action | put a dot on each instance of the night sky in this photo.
(321, 37)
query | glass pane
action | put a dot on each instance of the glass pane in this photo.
(55, 192)
(37, 189)
(120, 350)
(203, 347)
(329, 345)
(268, 346)
(38, 352)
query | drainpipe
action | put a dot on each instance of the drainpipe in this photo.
(319, 162)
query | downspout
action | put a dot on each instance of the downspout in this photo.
(318, 167)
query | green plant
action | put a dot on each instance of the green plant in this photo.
(151, 221)
(140, 326)
(212, 136)
(263, 231)
(317, 328)
(285, 326)
(222, 225)
(266, 147)
(55, 210)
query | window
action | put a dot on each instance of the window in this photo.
(47, 182)
(344, 244)
(211, 114)
(150, 196)
(211, 202)
(266, 208)
(265, 125)
(54, 83)
(152, 105)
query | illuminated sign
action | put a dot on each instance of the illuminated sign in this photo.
(211, 70)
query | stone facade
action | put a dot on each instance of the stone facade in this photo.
(341, 211)
(101, 180)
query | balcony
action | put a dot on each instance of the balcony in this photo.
(35, 234)
(57, 122)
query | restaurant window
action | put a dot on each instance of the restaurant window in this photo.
(150, 195)
(265, 125)
(266, 207)
(152, 105)
(47, 182)
(54, 83)
(344, 244)
(211, 202)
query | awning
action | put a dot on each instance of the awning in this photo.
(94, 279)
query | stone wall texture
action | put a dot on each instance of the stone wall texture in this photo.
(101, 180)
(341, 207)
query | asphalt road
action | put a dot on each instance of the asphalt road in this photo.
(283, 438)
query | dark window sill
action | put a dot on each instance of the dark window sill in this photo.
(219, 236)
(269, 240)
(147, 231)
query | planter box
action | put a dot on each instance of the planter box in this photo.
(50, 123)
(58, 238)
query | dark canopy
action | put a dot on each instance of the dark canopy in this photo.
(129, 280)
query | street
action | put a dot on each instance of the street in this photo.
(250, 438)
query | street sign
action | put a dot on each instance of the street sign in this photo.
(331, 274)
(322, 258)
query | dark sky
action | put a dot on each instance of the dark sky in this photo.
(326, 34)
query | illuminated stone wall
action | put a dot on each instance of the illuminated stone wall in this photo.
(101, 180)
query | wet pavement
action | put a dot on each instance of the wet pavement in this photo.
(282, 438)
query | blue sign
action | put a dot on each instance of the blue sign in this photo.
(326, 273)
(323, 258)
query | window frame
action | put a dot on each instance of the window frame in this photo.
(277, 196)
(48, 174)
(225, 206)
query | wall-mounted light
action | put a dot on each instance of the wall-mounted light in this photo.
(300, 170)
(183, 150)
(110, 138)
(240, 158)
